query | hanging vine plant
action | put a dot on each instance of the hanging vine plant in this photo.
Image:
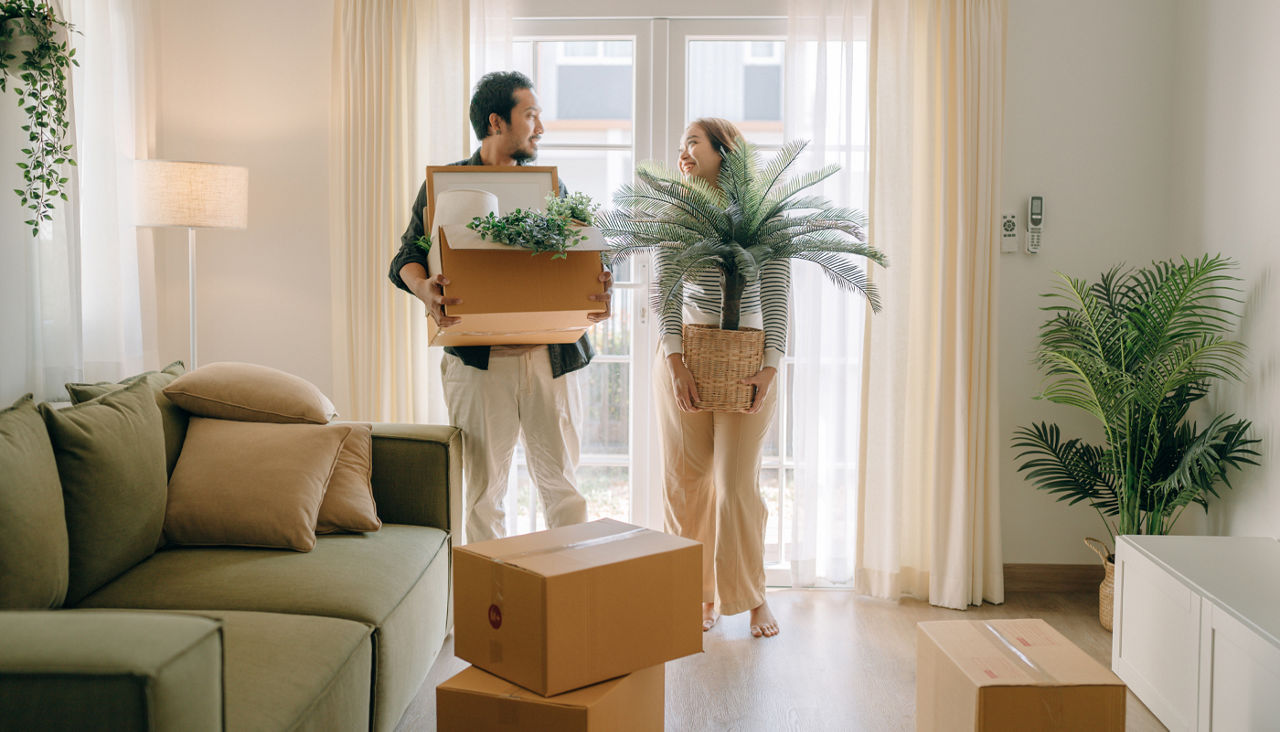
(36, 56)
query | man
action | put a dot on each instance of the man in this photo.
(494, 393)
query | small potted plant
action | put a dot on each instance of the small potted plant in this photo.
(557, 230)
(755, 216)
(1136, 349)
(36, 56)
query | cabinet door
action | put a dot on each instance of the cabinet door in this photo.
(1239, 676)
(1156, 640)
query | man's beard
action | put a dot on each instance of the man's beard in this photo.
(524, 156)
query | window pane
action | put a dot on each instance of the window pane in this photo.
(613, 336)
(586, 88)
(740, 81)
(607, 490)
(581, 48)
(606, 398)
(769, 491)
(598, 173)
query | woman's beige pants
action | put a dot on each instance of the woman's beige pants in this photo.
(711, 481)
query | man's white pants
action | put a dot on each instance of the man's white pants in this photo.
(516, 395)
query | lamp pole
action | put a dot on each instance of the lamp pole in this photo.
(191, 290)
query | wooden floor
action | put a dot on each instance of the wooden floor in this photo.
(842, 662)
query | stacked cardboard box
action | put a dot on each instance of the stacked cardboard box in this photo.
(1011, 676)
(571, 627)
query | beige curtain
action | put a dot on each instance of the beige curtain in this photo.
(400, 94)
(928, 521)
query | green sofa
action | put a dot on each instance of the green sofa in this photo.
(214, 638)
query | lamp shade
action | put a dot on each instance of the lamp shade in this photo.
(193, 195)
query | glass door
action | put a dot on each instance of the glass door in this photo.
(734, 69)
(615, 92)
(593, 82)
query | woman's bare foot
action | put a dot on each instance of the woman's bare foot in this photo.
(709, 616)
(763, 624)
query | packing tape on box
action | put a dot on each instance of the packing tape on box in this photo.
(506, 558)
(1016, 659)
(495, 606)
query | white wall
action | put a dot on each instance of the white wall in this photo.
(1088, 97)
(1226, 186)
(248, 83)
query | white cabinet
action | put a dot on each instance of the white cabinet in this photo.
(1197, 630)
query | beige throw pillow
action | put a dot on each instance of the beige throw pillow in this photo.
(250, 393)
(251, 484)
(348, 503)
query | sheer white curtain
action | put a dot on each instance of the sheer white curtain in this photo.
(928, 522)
(826, 103)
(113, 125)
(398, 82)
(72, 304)
(39, 275)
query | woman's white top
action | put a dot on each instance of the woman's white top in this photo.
(765, 304)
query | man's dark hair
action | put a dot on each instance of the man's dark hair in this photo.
(495, 94)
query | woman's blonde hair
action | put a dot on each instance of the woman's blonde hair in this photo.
(721, 133)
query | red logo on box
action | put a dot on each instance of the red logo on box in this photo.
(495, 616)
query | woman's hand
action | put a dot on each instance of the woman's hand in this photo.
(686, 392)
(762, 381)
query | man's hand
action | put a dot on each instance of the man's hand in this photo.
(436, 301)
(762, 381)
(431, 292)
(606, 297)
(686, 392)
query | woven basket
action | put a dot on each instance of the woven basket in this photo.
(1106, 590)
(719, 359)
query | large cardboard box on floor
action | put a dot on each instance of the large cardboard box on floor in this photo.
(1011, 676)
(475, 701)
(560, 609)
(509, 296)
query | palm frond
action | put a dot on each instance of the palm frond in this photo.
(846, 274)
(1072, 469)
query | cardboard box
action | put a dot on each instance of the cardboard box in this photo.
(509, 295)
(475, 701)
(561, 609)
(1011, 676)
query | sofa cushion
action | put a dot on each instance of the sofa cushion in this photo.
(250, 393)
(291, 672)
(110, 454)
(269, 495)
(396, 580)
(358, 577)
(33, 529)
(71, 670)
(348, 501)
(175, 418)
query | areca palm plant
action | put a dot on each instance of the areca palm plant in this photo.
(1136, 349)
(755, 216)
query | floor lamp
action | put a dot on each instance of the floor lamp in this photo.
(192, 196)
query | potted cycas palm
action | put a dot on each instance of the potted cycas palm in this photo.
(1136, 349)
(753, 217)
(36, 53)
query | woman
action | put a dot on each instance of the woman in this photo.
(711, 460)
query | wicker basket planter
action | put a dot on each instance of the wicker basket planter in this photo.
(719, 359)
(1106, 590)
